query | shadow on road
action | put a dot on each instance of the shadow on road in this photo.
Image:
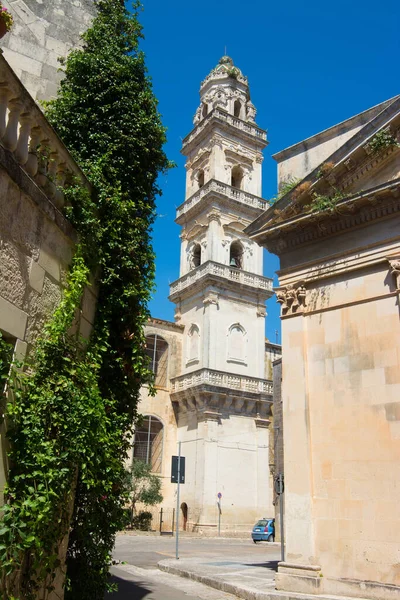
(127, 590)
(270, 564)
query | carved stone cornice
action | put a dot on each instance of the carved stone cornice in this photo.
(225, 194)
(377, 203)
(211, 405)
(292, 298)
(222, 119)
(371, 161)
(394, 262)
(225, 275)
(225, 393)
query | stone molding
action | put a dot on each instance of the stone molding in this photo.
(223, 274)
(394, 262)
(356, 171)
(231, 381)
(23, 128)
(364, 208)
(211, 404)
(222, 118)
(221, 191)
(292, 298)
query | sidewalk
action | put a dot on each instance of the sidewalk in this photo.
(250, 580)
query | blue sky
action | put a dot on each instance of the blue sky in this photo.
(310, 65)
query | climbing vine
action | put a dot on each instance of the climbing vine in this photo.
(72, 409)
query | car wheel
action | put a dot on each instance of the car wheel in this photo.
(255, 541)
(271, 538)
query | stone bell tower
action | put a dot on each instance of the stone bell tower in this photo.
(221, 400)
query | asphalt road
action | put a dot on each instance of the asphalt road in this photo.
(138, 577)
(147, 551)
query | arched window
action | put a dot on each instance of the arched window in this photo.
(237, 344)
(195, 260)
(236, 255)
(157, 351)
(148, 444)
(237, 107)
(200, 178)
(204, 111)
(236, 177)
(193, 344)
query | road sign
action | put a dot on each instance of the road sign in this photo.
(279, 484)
(174, 469)
(219, 495)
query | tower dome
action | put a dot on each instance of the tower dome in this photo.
(225, 88)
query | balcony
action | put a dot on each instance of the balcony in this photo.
(214, 188)
(221, 379)
(219, 116)
(223, 274)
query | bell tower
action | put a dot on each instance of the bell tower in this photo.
(221, 292)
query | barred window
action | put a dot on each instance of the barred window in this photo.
(148, 444)
(157, 350)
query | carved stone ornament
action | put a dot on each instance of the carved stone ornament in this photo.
(394, 262)
(292, 298)
(211, 298)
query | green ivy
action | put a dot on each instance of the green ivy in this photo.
(71, 417)
(323, 202)
(284, 188)
(381, 141)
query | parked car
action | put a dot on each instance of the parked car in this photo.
(264, 531)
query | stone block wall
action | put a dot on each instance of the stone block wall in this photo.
(36, 248)
(43, 31)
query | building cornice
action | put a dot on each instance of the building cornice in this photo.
(229, 277)
(226, 195)
(222, 119)
(235, 388)
(163, 324)
(356, 211)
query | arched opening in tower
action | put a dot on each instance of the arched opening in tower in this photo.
(196, 256)
(200, 178)
(236, 255)
(237, 107)
(237, 177)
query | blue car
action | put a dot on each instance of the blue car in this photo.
(264, 531)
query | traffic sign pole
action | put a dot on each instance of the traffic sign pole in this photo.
(219, 513)
(177, 502)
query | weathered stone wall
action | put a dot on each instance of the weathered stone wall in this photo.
(36, 247)
(42, 32)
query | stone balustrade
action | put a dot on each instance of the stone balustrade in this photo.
(221, 379)
(224, 117)
(221, 188)
(26, 133)
(226, 272)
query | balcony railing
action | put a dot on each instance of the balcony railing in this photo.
(221, 379)
(227, 190)
(224, 117)
(26, 133)
(225, 272)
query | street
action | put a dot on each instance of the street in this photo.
(138, 577)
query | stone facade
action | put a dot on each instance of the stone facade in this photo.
(36, 241)
(339, 292)
(214, 366)
(43, 32)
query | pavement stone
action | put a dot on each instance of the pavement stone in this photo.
(250, 581)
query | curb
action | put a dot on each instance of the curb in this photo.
(243, 592)
(228, 588)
